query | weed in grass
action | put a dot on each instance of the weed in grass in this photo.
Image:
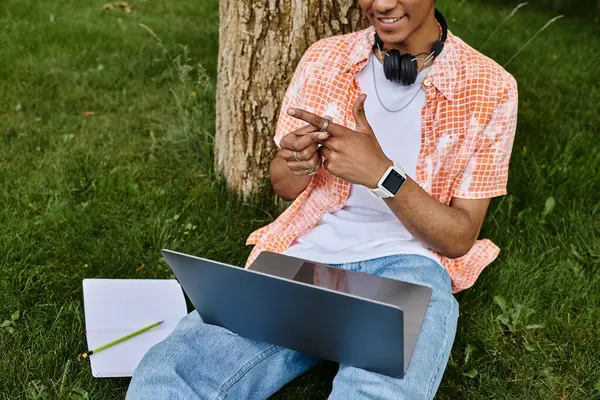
(9, 324)
(513, 319)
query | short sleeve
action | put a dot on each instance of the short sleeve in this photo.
(486, 171)
(293, 98)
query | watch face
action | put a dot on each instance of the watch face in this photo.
(393, 182)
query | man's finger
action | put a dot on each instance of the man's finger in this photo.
(362, 125)
(303, 165)
(309, 130)
(305, 129)
(332, 143)
(302, 155)
(316, 121)
(299, 143)
(307, 167)
(320, 136)
(324, 152)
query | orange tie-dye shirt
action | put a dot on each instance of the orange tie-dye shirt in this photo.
(468, 127)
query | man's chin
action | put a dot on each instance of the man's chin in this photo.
(392, 37)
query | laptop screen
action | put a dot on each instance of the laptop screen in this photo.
(338, 279)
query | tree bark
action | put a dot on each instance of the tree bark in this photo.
(260, 44)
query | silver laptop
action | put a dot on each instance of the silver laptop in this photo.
(348, 317)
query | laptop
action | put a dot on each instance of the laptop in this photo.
(344, 316)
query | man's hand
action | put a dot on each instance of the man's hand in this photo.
(354, 156)
(289, 176)
(304, 142)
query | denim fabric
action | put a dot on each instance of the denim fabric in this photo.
(202, 361)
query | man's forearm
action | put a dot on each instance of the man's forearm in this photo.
(285, 184)
(448, 230)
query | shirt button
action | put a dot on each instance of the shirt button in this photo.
(426, 82)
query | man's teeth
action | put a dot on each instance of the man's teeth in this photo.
(390, 20)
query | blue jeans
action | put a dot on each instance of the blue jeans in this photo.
(202, 361)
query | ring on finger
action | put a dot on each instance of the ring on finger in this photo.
(325, 125)
(296, 156)
(312, 171)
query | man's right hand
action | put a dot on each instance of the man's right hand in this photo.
(304, 143)
(288, 176)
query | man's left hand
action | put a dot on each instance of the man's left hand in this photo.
(354, 156)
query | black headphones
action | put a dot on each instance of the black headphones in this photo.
(402, 67)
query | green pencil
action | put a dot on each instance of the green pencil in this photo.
(117, 341)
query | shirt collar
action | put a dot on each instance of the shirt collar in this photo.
(443, 71)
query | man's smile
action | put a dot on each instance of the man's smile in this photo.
(390, 23)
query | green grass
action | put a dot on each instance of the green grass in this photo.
(100, 195)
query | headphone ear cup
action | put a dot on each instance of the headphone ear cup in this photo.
(393, 58)
(437, 48)
(414, 71)
(401, 68)
(404, 68)
(387, 67)
(397, 67)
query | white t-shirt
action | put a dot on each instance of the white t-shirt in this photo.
(366, 228)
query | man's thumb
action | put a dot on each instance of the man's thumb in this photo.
(362, 125)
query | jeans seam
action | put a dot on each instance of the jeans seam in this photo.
(247, 367)
(445, 345)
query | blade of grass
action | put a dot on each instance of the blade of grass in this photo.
(63, 380)
(509, 16)
(533, 37)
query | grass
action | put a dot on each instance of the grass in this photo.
(105, 158)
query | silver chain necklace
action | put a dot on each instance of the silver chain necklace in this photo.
(429, 58)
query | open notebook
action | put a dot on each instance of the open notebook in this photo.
(117, 307)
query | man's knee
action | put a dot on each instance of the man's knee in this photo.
(168, 354)
(160, 357)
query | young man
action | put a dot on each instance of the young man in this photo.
(395, 181)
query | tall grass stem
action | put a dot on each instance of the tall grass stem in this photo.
(509, 16)
(533, 37)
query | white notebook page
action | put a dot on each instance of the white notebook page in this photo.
(116, 307)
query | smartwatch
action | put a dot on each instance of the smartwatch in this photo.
(389, 184)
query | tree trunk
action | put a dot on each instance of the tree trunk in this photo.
(261, 42)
